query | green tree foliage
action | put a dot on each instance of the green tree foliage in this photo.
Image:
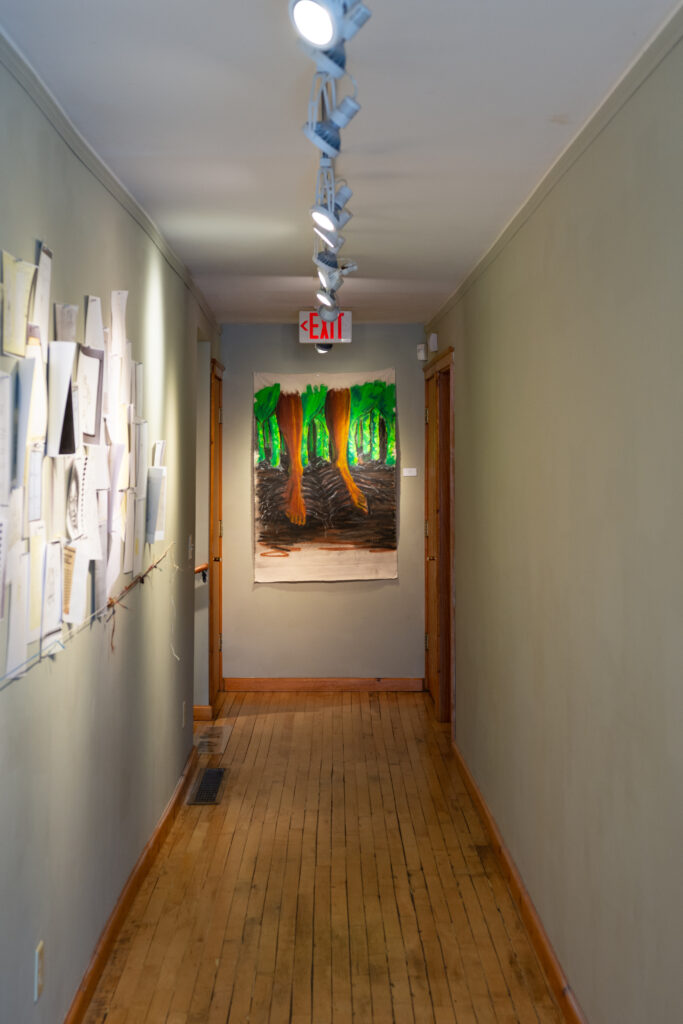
(367, 402)
(387, 410)
(265, 403)
(313, 409)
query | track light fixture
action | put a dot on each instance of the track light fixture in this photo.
(331, 239)
(325, 23)
(324, 26)
(328, 313)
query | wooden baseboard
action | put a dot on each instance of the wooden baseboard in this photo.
(202, 713)
(328, 685)
(85, 992)
(544, 951)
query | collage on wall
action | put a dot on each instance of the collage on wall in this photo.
(325, 472)
(78, 500)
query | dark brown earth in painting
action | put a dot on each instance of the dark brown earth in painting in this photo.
(330, 515)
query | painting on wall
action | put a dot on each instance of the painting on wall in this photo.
(325, 471)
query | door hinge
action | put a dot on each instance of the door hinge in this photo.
(427, 414)
(220, 413)
(220, 527)
(220, 642)
(426, 641)
(426, 527)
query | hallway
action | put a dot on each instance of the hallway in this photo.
(343, 877)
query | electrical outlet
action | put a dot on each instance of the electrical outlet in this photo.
(184, 712)
(38, 971)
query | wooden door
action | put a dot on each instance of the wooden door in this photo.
(216, 535)
(439, 674)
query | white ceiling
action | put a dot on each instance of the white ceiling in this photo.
(198, 107)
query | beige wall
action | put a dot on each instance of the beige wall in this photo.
(362, 628)
(569, 547)
(91, 744)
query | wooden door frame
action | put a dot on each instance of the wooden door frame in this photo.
(215, 536)
(445, 709)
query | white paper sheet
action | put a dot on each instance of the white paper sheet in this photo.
(139, 535)
(37, 421)
(141, 457)
(75, 515)
(51, 623)
(159, 453)
(114, 562)
(101, 597)
(18, 278)
(113, 400)
(139, 385)
(118, 323)
(16, 530)
(40, 314)
(34, 483)
(46, 490)
(61, 361)
(76, 443)
(90, 513)
(156, 504)
(17, 574)
(89, 378)
(129, 544)
(6, 436)
(98, 460)
(61, 468)
(66, 317)
(25, 370)
(126, 372)
(36, 574)
(94, 330)
(76, 564)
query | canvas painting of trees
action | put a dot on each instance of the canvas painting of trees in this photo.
(325, 470)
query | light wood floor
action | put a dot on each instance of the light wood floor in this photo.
(344, 877)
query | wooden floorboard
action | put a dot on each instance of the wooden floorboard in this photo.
(344, 878)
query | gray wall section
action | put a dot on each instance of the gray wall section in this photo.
(569, 568)
(320, 629)
(91, 745)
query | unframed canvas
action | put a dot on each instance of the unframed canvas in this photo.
(325, 469)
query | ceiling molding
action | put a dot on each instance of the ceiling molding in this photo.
(643, 66)
(19, 68)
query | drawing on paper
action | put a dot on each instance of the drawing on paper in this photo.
(325, 456)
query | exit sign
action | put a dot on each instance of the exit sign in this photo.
(312, 328)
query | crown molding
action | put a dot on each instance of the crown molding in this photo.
(633, 78)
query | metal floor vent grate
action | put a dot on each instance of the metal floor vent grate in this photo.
(206, 792)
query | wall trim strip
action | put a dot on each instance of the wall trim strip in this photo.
(636, 75)
(328, 685)
(557, 980)
(202, 713)
(86, 990)
(19, 68)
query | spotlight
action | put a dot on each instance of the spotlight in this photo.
(347, 109)
(325, 23)
(328, 220)
(328, 313)
(331, 239)
(330, 279)
(331, 62)
(322, 348)
(324, 135)
(327, 261)
(326, 298)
